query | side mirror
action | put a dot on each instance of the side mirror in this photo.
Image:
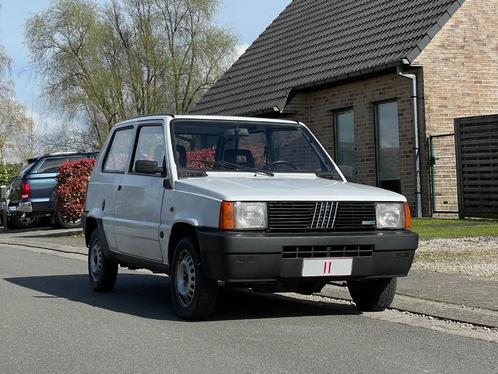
(147, 167)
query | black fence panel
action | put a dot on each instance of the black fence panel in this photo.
(476, 144)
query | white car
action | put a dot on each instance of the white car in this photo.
(245, 202)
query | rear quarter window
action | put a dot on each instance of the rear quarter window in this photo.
(118, 152)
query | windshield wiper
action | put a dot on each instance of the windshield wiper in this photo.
(325, 174)
(235, 166)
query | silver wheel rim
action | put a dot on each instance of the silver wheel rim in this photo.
(96, 262)
(64, 220)
(25, 220)
(185, 279)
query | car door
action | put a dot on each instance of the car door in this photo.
(140, 195)
(114, 166)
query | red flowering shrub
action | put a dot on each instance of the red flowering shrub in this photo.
(72, 180)
(200, 158)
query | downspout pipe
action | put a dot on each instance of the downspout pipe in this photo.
(418, 192)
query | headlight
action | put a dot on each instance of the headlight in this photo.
(243, 216)
(390, 215)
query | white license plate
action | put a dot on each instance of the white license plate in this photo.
(326, 267)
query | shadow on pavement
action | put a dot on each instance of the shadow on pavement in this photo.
(149, 296)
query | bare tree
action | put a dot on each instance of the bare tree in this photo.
(128, 57)
(18, 139)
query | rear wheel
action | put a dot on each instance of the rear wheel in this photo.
(65, 223)
(103, 271)
(25, 221)
(194, 295)
(373, 295)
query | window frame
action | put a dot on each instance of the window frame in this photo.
(376, 135)
(103, 170)
(139, 127)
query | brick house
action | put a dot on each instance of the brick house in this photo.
(366, 76)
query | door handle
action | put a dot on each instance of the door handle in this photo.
(119, 188)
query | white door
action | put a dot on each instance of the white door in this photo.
(114, 167)
(140, 196)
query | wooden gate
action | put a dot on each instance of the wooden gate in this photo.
(476, 144)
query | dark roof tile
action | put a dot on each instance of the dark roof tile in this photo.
(317, 41)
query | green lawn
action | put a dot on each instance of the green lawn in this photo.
(429, 228)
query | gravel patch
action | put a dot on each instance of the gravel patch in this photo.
(476, 256)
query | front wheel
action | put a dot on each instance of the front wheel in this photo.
(103, 271)
(373, 295)
(194, 295)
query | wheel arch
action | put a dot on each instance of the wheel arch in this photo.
(89, 227)
(179, 231)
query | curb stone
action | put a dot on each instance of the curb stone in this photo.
(458, 313)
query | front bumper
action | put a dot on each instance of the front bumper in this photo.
(259, 257)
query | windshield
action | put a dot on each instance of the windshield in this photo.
(247, 146)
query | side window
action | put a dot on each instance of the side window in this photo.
(118, 152)
(150, 146)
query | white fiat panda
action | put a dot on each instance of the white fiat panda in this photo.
(246, 202)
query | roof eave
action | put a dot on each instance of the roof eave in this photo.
(433, 31)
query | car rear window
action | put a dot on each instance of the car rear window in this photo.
(50, 164)
(25, 168)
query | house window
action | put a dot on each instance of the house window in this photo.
(344, 142)
(388, 151)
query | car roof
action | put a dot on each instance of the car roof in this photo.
(60, 154)
(163, 117)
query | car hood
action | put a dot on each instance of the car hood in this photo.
(250, 187)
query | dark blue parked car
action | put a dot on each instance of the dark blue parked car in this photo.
(32, 192)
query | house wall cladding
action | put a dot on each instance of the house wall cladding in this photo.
(316, 109)
(460, 68)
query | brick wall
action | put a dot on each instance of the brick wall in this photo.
(316, 109)
(460, 69)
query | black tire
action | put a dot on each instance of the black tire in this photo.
(310, 288)
(194, 295)
(373, 295)
(102, 271)
(60, 221)
(25, 221)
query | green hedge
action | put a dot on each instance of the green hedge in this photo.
(7, 172)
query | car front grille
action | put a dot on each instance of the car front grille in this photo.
(320, 216)
(328, 251)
